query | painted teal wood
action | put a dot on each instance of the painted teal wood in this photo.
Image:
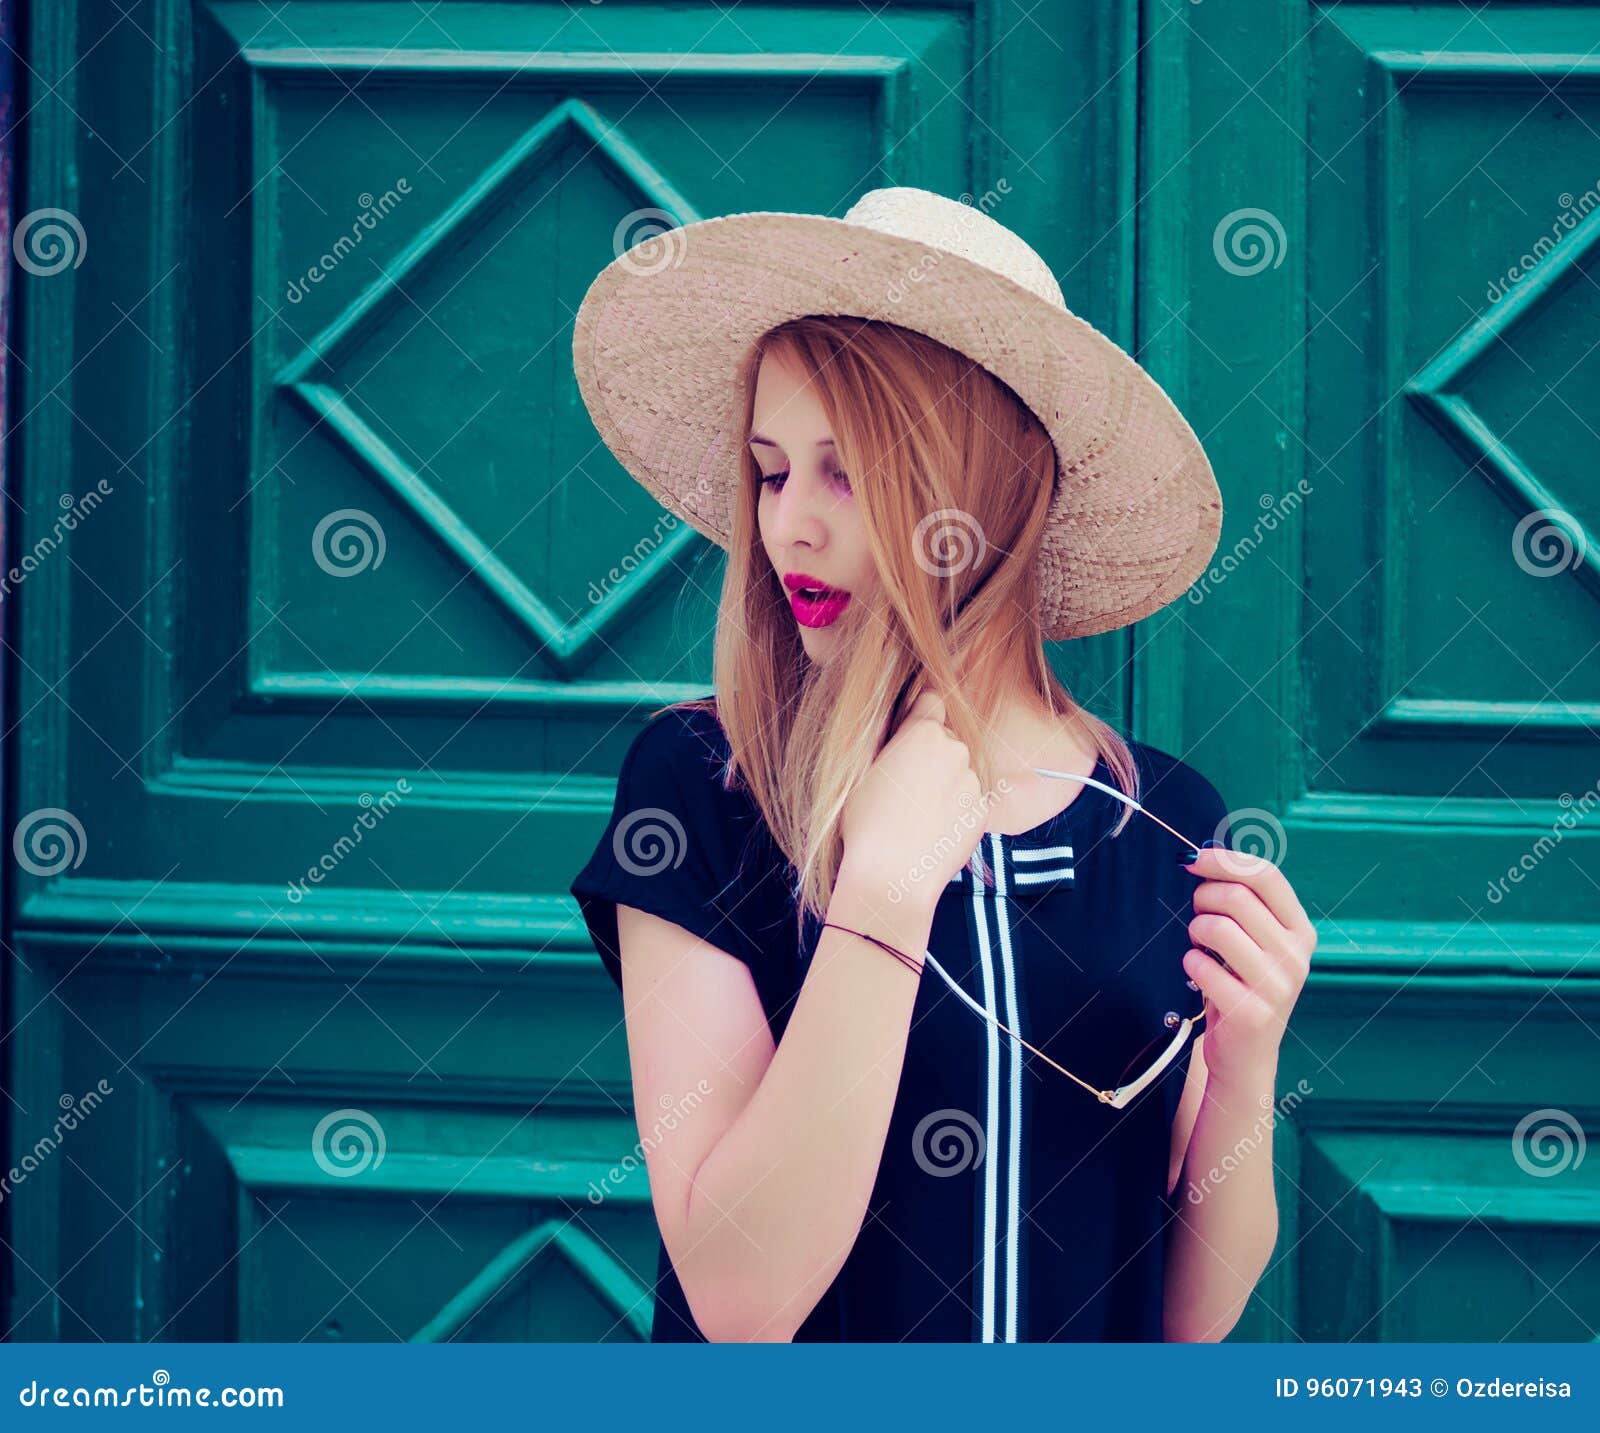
(335, 772)
(1381, 673)
(333, 777)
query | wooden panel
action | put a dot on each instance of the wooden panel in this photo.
(335, 680)
(1389, 669)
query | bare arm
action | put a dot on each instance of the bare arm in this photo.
(1227, 1220)
(1248, 917)
(761, 1190)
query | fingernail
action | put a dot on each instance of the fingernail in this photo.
(1188, 858)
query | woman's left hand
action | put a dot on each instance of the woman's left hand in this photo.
(1247, 912)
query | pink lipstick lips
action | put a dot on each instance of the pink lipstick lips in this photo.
(814, 603)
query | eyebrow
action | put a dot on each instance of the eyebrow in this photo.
(757, 438)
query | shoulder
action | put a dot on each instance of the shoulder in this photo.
(1178, 793)
(684, 746)
(681, 736)
(680, 760)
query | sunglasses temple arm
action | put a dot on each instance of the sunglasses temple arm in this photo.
(1121, 796)
(1125, 1093)
(927, 955)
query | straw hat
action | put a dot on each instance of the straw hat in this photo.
(660, 334)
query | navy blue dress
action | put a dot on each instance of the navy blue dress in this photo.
(1011, 1205)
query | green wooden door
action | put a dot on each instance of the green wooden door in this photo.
(323, 686)
(1371, 253)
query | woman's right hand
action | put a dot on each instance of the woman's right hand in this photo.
(916, 816)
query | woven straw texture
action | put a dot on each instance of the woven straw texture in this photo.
(659, 336)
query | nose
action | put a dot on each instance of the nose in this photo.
(798, 513)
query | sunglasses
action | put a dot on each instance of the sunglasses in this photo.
(1142, 1069)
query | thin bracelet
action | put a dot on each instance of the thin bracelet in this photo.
(910, 962)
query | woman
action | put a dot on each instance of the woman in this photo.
(939, 473)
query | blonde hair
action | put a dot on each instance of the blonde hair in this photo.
(953, 476)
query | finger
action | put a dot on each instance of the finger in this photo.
(1261, 875)
(929, 705)
(1235, 899)
(1224, 937)
(1223, 991)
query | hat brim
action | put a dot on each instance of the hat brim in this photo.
(661, 332)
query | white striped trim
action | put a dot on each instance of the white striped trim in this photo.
(1002, 910)
(1038, 853)
(991, 1111)
(1038, 878)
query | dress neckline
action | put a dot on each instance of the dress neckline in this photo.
(1089, 798)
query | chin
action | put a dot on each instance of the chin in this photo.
(819, 643)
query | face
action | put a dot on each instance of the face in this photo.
(810, 527)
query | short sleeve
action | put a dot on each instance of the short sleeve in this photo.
(674, 842)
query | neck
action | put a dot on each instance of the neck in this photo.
(1022, 728)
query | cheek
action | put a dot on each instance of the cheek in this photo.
(866, 570)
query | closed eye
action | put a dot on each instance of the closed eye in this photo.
(776, 480)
